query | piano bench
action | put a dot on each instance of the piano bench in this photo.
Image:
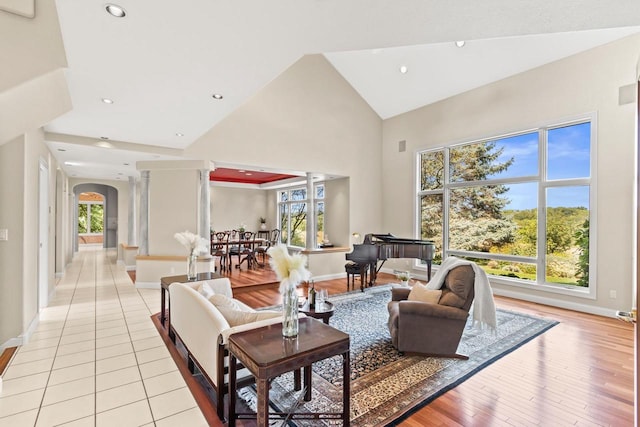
(354, 269)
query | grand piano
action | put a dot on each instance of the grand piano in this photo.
(380, 247)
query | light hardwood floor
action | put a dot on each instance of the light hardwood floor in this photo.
(580, 372)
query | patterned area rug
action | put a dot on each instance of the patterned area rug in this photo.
(386, 386)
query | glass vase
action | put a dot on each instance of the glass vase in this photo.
(192, 267)
(290, 312)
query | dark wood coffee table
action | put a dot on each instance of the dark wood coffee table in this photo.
(165, 282)
(322, 311)
(267, 354)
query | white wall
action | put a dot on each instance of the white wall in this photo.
(33, 89)
(173, 208)
(11, 254)
(32, 92)
(584, 83)
(232, 206)
(337, 208)
(19, 189)
(307, 119)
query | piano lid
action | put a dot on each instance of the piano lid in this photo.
(373, 238)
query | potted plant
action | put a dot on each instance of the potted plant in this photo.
(403, 277)
(263, 223)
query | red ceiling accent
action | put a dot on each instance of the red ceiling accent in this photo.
(255, 177)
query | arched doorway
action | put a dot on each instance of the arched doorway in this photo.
(95, 215)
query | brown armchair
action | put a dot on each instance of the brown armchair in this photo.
(433, 329)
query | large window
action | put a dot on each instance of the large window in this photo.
(292, 215)
(518, 205)
(90, 218)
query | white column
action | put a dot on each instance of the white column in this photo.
(311, 213)
(132, 236)
(143, 247)
(205, 209)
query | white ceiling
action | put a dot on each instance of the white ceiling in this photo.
(164, 60)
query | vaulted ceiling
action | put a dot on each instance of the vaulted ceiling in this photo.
(162, 63)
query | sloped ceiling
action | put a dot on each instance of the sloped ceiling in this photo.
(162, 62)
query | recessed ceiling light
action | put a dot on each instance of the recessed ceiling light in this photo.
(217, 96)
(72, 163)
(404, 69)
(460, 43)
(115, 10)
(102, 144)
(179, 134)
(107, 100)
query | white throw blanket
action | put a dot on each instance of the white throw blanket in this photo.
(484, 308)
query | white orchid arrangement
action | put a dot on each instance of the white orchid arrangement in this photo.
(195, 244)
(290, 269)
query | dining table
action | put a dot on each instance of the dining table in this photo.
(250, 257)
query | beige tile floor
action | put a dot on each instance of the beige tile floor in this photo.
(96, 359)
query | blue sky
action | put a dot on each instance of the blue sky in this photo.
(567, 157)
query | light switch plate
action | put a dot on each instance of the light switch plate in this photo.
(4, 234)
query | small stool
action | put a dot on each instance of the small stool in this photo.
(353, 269)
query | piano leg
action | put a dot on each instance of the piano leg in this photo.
(372, 274)
(363, 277)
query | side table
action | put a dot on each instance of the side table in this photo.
(322, 311)
(165, 282)
(267, 354)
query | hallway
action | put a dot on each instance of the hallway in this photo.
(96, 358)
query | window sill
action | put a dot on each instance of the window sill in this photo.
(325, 250)
(544, 288)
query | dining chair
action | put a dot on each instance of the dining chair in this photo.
(273, 240)
(246, 242)
(220, 248)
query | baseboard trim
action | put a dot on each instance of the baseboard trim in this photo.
(568, 305)
(23, 338)
(147, 285)
(553, 302)
(12, 342)
(31, 329)
(330, 277)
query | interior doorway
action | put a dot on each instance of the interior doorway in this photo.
(102, 203)
(91, 224)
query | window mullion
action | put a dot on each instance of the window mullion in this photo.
(445, 205)
(542, 208)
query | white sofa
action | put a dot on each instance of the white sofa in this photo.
(204, 331)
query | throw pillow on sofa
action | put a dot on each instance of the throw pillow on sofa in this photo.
(419, 292)
(206, 290)
(223, 301)
(240, 317)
